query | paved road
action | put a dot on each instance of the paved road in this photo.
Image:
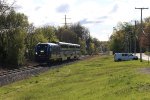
(144, 57)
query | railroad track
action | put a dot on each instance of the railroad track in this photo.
(10, 76)
(4, 73)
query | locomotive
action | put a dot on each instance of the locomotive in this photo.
(60, 51)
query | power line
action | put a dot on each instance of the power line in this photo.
(141, 32)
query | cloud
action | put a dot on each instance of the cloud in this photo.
(114, 9)
(86, 21)
(37, 8)
(103, 17)
(96, 21)
(63, 8)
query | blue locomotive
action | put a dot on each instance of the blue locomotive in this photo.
(59, 51)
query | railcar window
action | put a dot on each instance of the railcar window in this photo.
(64, 46)
(55, 49)
(78, 47)
(72, 46)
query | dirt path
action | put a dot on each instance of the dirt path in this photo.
(145, 70)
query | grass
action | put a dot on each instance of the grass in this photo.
(98, 78)
(147, 53)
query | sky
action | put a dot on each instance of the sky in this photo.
(99, 16)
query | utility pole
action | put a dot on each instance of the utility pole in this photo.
(130, 44)
(126, 42)
(66, 21)
(141, 32)
(134, 35)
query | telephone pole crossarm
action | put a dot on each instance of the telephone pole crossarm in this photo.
(66, 21)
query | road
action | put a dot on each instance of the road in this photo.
(144, 57)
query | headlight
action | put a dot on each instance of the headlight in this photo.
(36, 53)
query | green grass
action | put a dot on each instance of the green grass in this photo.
(147, 53)
(98, 78)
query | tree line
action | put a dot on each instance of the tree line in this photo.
(129, 37)
(18, 37)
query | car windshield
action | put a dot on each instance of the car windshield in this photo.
(131, 55)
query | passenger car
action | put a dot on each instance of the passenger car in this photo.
(124, 56)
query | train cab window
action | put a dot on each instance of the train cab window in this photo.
(42, 47)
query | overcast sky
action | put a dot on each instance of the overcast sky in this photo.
(99, 16)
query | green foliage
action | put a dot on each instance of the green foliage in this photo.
(66, 35)
(48, 32)
(82, 46)
(97, 78)
(91, 48)
(31, 41)
(3, 43)
(122, 39)
(115, 45)
(12, 38)
(16, 20)
(80, 31)
(131, 37)
(15, 47)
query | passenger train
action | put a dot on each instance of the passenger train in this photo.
(59, 51)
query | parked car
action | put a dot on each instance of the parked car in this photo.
(124, 56)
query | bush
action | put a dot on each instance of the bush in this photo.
(15, 47)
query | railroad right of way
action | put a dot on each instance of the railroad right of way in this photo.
(10, 76)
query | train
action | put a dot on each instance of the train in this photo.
(59, 51)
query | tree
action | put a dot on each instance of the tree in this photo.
(122, 39)
(146, 35)
(97, 44)
(15, 47)
(81, 32)
(82, 46)
(5, 8)
(91, 48)
(66, 35)
(48, 33)
(13, 36)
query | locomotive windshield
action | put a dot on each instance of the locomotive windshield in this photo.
(42, 48)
